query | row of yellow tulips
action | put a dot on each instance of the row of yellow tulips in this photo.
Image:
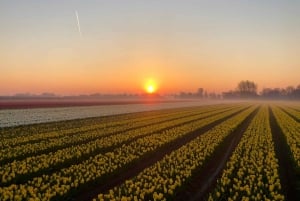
(12, 139)
(291, 130)
(66, 180)
(32, 164)
(292, 112)
(160, 181)
(252, 171)
(10, 154)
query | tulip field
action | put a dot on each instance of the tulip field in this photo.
(224, 151)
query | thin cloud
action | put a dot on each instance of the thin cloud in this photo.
(78, 23)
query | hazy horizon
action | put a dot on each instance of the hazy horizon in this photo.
(84, 47)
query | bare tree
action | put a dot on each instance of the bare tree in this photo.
(247, 89)
(200, 92)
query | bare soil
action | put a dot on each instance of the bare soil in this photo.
(292, 116)
(290, 179)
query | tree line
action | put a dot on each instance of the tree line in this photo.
(248, 90)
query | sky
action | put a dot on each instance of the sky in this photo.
(82, 47)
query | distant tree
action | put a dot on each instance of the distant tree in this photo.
(205, 94)
(289, 90)
(200, 92)
(296, 92)
(247, 89)
(214, 95)
(230, 95)
(269, 93)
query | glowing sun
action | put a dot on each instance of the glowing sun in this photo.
(150, 87)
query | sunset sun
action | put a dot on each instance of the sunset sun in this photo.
(150, 87)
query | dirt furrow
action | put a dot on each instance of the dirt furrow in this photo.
(292, 116)
(287, 172)
(293, 108)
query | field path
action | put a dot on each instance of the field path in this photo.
(287, 173)
(204, 179)
(148, 160)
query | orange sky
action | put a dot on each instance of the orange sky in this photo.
(182, 46)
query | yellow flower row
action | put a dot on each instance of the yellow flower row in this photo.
(252, 171)
(160, 181)
(61, 182)
(41, 162)
(10, 139)
(291, 130)
(63, 141)
(292, 112)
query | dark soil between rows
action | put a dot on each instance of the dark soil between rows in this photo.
(135, 168)
(205, 178)
(296, 109)
(292, 116)
(287, 168)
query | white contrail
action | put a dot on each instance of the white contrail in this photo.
(78, 24)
